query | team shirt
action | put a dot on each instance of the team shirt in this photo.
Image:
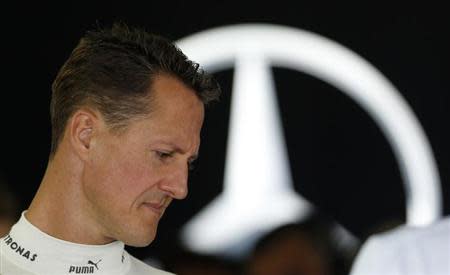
(26, 250)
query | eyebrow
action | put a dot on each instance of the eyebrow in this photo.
(177, 149)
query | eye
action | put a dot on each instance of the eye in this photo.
(164, 155)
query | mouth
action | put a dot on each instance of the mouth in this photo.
(157, 208)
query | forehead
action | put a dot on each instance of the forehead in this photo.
(173, 101)
(168, 92)
(176, 112)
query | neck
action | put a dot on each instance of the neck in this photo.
(59, 207)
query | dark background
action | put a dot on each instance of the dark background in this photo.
(340, 160)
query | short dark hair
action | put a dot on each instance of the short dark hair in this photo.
(112, 71)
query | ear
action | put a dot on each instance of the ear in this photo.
(83, 126)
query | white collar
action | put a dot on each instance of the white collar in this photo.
(38, 252)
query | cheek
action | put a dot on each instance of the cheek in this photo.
(118, 176)
(122, 172)
(132, 175)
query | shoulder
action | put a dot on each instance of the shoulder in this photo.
(432, 237)
(7, 267)
(406, 249)
(139, 267)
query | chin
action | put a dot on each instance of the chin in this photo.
(140, 240)
(139, 244)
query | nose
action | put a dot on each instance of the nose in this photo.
(176, 182)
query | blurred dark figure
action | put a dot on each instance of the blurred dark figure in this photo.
(9, 212)
(306, 248)
(185, 262)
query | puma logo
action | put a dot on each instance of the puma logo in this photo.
(87, 269)
(94, 264)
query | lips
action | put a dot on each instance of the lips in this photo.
(158, 208)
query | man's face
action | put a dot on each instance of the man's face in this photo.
(130, 179)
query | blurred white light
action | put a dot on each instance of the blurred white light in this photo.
(258, 192)
(258, 195)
